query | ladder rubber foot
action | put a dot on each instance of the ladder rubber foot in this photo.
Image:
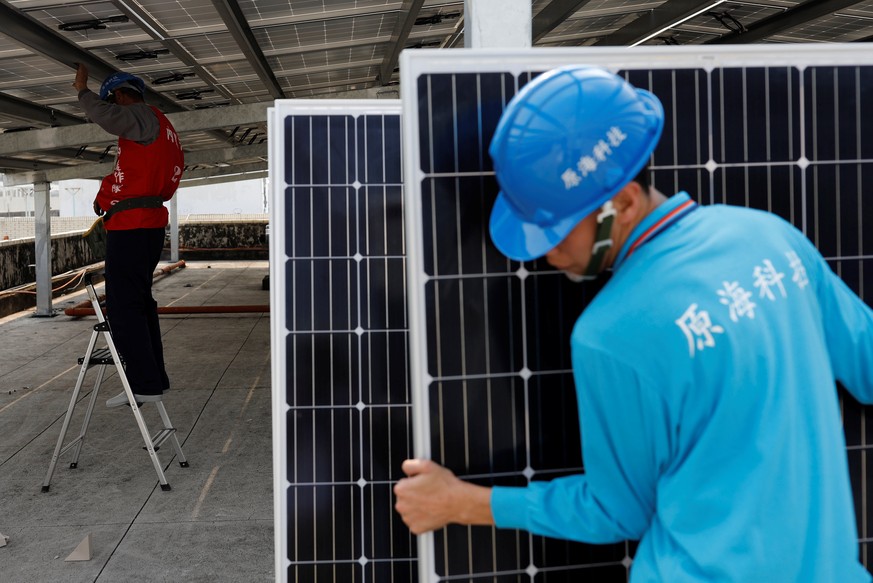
(74, 465)
(45, 488)
(183, 464)
(165, 487)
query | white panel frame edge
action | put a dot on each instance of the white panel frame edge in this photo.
(414, 63)
(276, 115)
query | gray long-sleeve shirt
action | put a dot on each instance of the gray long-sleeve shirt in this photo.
(136, 122)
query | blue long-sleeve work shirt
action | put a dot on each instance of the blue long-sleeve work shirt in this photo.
(709, 416)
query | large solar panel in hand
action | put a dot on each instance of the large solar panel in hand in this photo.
(341, 404)
(492, 387)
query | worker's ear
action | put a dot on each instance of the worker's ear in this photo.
(628, 202)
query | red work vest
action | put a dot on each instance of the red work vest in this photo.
(152, 170)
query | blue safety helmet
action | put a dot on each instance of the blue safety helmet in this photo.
(121, 79)
(565, 144)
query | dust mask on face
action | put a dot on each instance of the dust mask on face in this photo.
(603, 242)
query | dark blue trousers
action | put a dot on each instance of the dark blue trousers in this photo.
(131, 259)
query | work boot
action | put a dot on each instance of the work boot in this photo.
(121, 399)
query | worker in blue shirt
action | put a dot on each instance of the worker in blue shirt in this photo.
(704, 369)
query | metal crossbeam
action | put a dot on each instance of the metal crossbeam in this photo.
(33, 112)
(91, 134)
(556, 12)
(402, 28)
(651, 22)
(211, 156)
(791, 18)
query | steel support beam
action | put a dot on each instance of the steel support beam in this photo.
(216, 155)
(37, 165)
(239, 170)
(791, 18)
(238, 27)
(43, 250)
(174, 228)
(455, 37)
(74, 136)
(78, 154)
(32, 112)
(212, 156)
(553, 14)
(223, 179)
(28, 165)
(402, 28)
(219, 117)
(651, 22)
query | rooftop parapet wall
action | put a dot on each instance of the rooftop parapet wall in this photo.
(209, 240)
(22, 227)
(206, 240)
(18, 258)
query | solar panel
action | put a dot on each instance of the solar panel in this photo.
(489, 338)
(341, 404)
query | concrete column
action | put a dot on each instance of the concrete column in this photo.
(497, 24)
(43, 237)
(174, 228)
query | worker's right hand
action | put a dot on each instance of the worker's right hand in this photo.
(432, 497)
(97, 210)
(423, 499)
(81, 81)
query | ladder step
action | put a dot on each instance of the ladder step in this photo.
(162, 436)
(69, 445)
(99, 356)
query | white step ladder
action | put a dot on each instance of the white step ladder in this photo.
(101, 358)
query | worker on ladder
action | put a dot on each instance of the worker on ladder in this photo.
(147, 173)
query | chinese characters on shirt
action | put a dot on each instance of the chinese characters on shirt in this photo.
(696, 324)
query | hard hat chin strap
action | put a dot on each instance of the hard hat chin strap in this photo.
(602, 244)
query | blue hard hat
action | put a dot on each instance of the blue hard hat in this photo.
(121, 79)
(565, 144)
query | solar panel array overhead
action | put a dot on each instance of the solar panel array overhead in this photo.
(205, 54)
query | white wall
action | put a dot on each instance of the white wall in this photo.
(246, 197)
(75, 197)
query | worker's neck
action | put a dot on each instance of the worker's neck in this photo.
(630, 213)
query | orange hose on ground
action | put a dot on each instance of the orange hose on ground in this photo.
(84, 308)
(89, 311)
(166, 269)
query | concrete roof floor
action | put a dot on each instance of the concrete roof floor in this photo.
(216, 524)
